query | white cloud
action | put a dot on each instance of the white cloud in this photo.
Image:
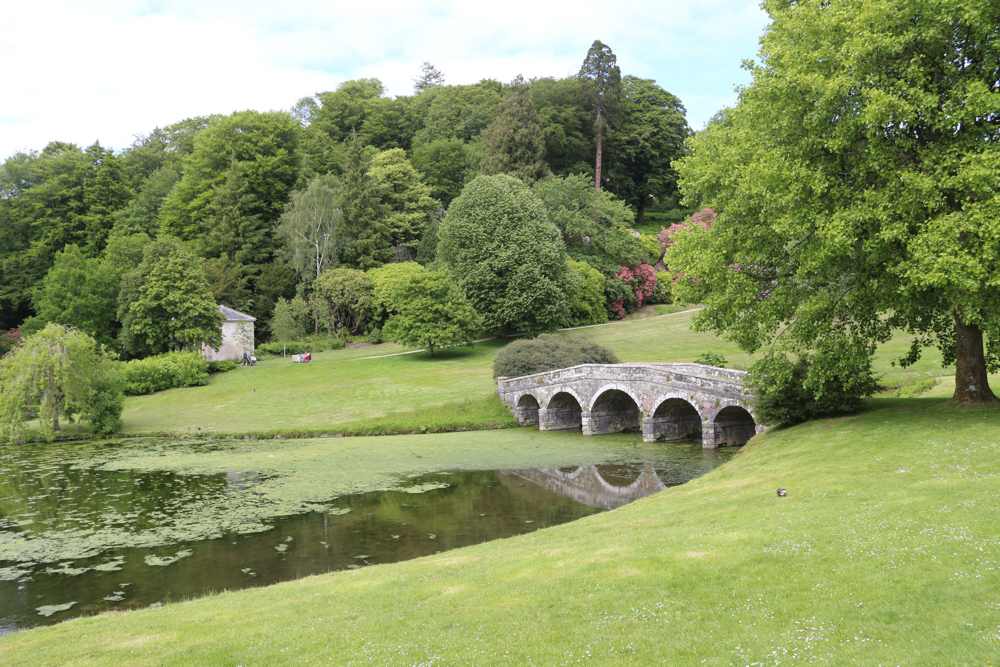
(107, 70)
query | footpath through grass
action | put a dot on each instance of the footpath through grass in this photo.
(885, 551)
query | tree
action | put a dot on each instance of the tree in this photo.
(366, 237)
(286, 324)
(566, 125)
(430, 313)
(456, 112)
(649, 137)
(235, 229)
(406, 201)
(429, 77)
(58, 372)
(506, 256)
(446, 165)
(310, 224)
(513, 143)
(855, 186)
(386, 281)
(601, 84)
(78, 292)
(166, 305)
(263, 148)
(346, 295)
(594, 225)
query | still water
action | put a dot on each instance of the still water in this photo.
(76, 540)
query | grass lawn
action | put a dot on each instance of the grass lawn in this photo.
(885, 551)
(347, 391)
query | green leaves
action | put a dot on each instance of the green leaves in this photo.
(859, 173)
(506, 256)
(431, 313)
(57, 372)
(166, 304)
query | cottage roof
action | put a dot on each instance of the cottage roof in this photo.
(233, 315)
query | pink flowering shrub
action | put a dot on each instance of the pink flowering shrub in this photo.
(9, 340)
(630, 287)
(703, 218)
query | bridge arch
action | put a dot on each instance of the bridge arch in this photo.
(730, 425)
(526, 408)
(563, 410)
(614, 408)
(675, 417)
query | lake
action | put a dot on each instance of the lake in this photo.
(90, 527)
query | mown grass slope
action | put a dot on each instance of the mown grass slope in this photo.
(343, 388)
(885, 551)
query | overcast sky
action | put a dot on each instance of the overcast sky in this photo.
(106, 70)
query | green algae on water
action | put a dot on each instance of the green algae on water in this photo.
(157, 561)
(49, 609)
(63, 503)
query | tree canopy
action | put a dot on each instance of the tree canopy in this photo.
(855, 183)
(166, 304)
(649, 137)
(513, 142)
(430, 312)
(506, 256)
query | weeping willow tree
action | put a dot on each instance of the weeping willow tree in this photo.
(56, 373)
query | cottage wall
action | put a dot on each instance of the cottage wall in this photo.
(231, 348)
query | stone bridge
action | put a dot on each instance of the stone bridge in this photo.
(669, 401)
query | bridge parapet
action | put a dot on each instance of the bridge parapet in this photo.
(666, 400)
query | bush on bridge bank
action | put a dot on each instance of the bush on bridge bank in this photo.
(549, 352)
(813, 387)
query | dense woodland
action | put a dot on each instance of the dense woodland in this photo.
(252, 209)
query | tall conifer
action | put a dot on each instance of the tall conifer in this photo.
(514, 143)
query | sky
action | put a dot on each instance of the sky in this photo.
(108, 70)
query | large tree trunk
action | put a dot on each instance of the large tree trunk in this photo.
(971, 384)
(597, 167)
(640, 218)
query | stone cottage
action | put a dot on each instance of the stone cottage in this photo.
(237, 336)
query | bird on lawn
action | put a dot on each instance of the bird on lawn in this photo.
(782, 493)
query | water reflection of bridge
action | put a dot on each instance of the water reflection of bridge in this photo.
(586, 485)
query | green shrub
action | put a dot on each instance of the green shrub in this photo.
(586, 304)
(811, 388)
(375, 336)
(662, 293)
(104, 408)
(164, 371)
(915, 386)
(222, 366)
(712, 359)
(549, 352)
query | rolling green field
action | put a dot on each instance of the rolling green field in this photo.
(346, 391)
(885, 551)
